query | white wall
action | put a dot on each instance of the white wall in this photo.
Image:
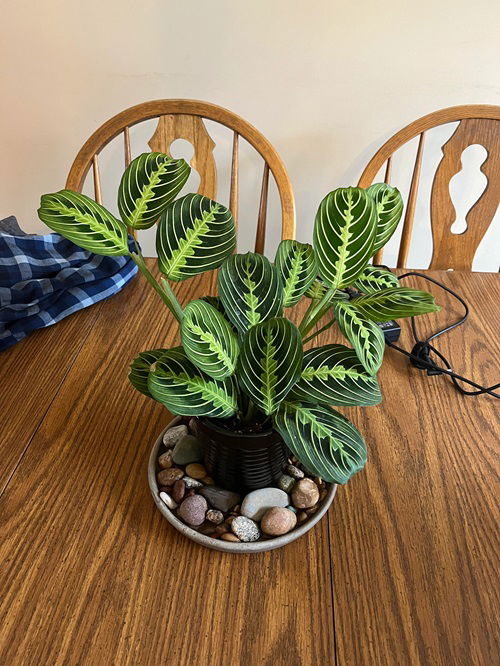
(326, 81)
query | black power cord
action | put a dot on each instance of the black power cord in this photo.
(420, 355)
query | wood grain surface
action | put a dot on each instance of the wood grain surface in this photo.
(91, 574)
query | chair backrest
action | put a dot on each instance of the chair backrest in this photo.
(183, 119)
(479, 124)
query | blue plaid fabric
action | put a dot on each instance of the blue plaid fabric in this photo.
(46, 278)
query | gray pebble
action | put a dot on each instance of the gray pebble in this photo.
(188, 450)
(219, 498)
(286, 483)
(245, 529)
(257, 502)
(294, 472)
(173, 435)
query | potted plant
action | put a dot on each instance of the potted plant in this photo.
(247, 392)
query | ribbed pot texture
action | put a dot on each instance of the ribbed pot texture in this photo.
(242, 462)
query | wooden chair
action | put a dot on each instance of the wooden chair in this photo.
(479, 124)
(183, 119)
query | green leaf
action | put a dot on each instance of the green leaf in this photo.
(333, 375)
(270, 362)
(325, 442)
(364, 335)
(344, 233)
(184, 389)
(296, 264)
(395, 303)
(148, 185)
(141, 367)
(194, 235)
(250, 290)
(389, 206)
(84, 222)
(374, 279)
(209, 340)
(317, 289)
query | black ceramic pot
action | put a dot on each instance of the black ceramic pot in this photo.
(242, 462)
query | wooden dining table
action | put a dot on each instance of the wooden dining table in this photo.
(402, 569)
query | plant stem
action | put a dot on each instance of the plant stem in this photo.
(307, 313)
(173, 298)
(171, 303)
(250, 413)
(323, 328)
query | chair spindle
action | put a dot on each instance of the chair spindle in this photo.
(233, 194)
(261, 222)
(410, 207)
(126, 141)
(97, 180)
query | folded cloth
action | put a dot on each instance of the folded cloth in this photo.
(46, 278)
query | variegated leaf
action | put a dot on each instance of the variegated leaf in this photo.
(364, 335)
(317, 289)
(250, 290)
(389, 206)
(344, 234)
(395, 303)
(84, 222)
(333, 375)
(148, 185)
(325, 442)
(296, 264)
(140, 368)
(194, 235)
(270, 362)
(208, 340)
(184, 389)
(374, 278)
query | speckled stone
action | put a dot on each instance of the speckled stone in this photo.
(215, 516)
(188, 450)
(245, 529)
(169, 501)
(295, 472)
(192, 483)
(173, 435)
(259, 501)
(219, 498)
(305, 494)
(193, 510)
(286, 483)
(167, 477)
(278, 521)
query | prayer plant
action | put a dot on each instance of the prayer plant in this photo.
(241, 359)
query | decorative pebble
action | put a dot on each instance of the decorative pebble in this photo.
(302, 516)
(192, 483)
(312, 510)
(173, 435)
(278, 521)
(323, 494)
(227, 536)
(193, 510)
(179, 490)
(193, 427)
(167, 477)
(305, 494)
(188, 450)
(245, 529)
(215, 516)
(222, 529)
(196, 471)
(208, 481)
(165, 497)
(165, 460)
(294, 472)
(221, 499)
(292, 508)
(259, 501)
(286, 483)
